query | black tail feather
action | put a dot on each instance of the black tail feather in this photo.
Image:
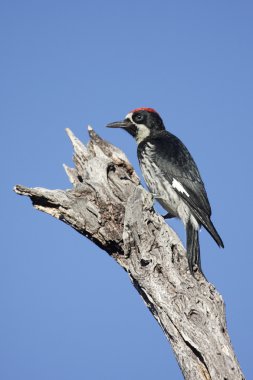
(204, 220)
(193, 249)
(213, 232)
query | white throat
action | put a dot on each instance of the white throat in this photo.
(142, 130)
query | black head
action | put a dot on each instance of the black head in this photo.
(140, 123)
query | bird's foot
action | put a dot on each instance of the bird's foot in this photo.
(155, 196)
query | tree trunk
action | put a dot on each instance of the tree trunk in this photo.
(109, 206)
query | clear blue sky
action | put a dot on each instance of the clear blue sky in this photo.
(73, 63)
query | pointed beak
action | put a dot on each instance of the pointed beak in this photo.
(120, 124)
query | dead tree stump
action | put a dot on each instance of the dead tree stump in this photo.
(108, 205)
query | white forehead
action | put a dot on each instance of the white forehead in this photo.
(129, 116)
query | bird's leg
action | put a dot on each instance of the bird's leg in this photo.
(169, 215)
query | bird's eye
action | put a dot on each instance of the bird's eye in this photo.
(138, 117)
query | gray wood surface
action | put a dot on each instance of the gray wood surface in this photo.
(108, 205)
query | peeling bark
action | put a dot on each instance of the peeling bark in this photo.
(108, 205)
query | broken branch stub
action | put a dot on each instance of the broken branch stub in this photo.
(108, 205)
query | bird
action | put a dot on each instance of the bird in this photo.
(172, 176)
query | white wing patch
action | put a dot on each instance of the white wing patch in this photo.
(177, 185)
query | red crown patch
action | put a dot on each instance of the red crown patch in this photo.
(144, 109)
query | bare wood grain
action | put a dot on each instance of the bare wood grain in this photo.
(108, 205)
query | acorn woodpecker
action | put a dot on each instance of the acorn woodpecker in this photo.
(172, 176)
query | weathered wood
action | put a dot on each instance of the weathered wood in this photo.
(109, 206)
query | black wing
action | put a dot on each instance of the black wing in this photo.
(176, 163)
